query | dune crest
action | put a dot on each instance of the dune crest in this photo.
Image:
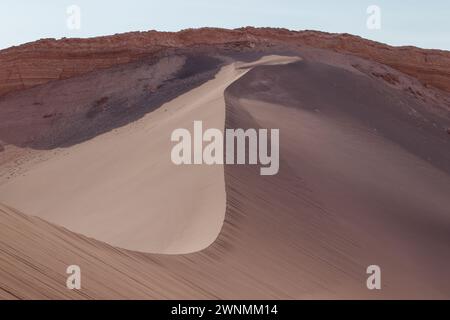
(122, 187)
(363, 179)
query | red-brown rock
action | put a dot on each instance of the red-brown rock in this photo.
(39, 62)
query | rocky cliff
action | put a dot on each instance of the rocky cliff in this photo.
(39, 62)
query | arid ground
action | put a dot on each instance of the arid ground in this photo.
(86, 176)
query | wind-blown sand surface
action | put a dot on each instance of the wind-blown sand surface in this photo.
(361, 182)
(122, 187)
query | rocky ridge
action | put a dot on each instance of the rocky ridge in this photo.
(45, 60)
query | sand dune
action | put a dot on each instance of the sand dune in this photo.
(120, 187)
(363, 180)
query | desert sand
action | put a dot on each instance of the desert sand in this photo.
(364, 179)
(122, 188)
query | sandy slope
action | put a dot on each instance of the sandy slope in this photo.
(355, 188)
(122, 187)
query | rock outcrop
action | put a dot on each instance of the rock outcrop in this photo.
(45, 60)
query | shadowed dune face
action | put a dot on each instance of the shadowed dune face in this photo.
(363, 180)
(416, 125)
(376, 175)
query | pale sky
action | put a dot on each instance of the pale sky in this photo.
(408, 22)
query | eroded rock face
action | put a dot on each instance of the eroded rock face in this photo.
(45, 60)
